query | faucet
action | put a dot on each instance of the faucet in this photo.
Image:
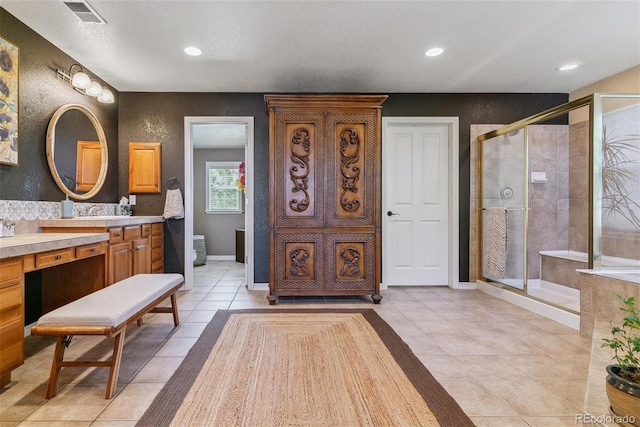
(94, 210)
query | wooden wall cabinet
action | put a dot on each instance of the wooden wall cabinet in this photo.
(325, 182)
(144, 167)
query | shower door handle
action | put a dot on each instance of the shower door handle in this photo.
(389, 213)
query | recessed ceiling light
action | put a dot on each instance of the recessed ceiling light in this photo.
(193, 51)
(434, 51)
(567, 67)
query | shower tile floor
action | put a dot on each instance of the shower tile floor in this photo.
(504, 365)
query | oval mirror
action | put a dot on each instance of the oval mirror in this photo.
(77, 151)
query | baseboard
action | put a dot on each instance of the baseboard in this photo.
(260, 287)
(569, 319)
(221, 257)
(464, 285)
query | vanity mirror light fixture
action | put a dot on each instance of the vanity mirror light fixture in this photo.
(81, 82)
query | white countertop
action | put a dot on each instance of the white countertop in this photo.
(22, 244)
(100, 221)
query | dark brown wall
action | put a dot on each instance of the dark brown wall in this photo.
(41, 94)
(160, 117)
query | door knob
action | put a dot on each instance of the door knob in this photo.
(389, 213)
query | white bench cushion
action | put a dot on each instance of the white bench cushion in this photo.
(114, 304)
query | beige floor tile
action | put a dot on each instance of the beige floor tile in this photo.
(444, 367)
(499, 422)
(158, 369)
(489, 367)
(553, 421)
(213, 305)
(220, 296)
(132, 402)
(530, 399)
(177, 346)
(77, 402)
(477, 400)
(461, 344)
(545, 366)
(48, 423)
(114, 423)
(190, 329)
(199, 316)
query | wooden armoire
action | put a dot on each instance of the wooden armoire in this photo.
(325, 206)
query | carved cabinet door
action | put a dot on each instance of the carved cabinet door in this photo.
(325, 195)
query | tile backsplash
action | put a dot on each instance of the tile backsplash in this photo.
(17, 210)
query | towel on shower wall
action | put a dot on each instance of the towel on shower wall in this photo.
(173, 206)
(495, 243)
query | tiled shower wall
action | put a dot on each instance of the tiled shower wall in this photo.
(549, 202)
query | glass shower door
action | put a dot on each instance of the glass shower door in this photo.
(503, 208)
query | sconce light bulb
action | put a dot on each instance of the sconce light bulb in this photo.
(95, 89)
(81, 80)
(106, 97)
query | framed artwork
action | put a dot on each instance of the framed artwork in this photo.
(8, 102)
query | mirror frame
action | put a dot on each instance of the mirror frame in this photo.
(51, 145)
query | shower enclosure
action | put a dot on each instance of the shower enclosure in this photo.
(555, 198)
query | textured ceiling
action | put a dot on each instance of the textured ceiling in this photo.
(346, 46)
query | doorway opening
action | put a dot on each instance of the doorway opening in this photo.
(230, 140)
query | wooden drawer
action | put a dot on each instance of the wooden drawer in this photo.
(157, 241)
(146, 230)
(11, 301)
(10, 272)
(115, 235)
(11, 343)
(51, 258)
(87, 251)
(156, 254)
(157, 267)
(132, 232)
(157, 228)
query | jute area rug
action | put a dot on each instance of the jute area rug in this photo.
(302, 368)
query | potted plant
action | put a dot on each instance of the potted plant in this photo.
(623, 381)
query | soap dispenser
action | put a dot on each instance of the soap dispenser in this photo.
(66, 208)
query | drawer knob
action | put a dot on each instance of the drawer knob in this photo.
(58, 257)
(92, 250)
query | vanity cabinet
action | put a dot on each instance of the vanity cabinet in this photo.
(11, 317)
(157, 247)
(68, 272)
(324, 172)
(129, 252)
(135, 246)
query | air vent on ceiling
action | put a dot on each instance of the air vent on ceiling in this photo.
(85, 12)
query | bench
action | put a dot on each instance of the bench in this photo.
(107, 312)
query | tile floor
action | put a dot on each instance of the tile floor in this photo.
(504, 365)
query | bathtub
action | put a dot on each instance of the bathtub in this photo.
(560, 267)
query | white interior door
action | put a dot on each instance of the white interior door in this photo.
(416, 209)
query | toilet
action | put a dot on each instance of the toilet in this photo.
(199, 250)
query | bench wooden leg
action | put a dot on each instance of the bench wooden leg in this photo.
(56, 365)
(174, 306)
(115, 364)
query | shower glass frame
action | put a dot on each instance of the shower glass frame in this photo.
(594, 103)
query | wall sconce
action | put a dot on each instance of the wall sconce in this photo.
(82, 83)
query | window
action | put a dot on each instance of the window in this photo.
(222, 185)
